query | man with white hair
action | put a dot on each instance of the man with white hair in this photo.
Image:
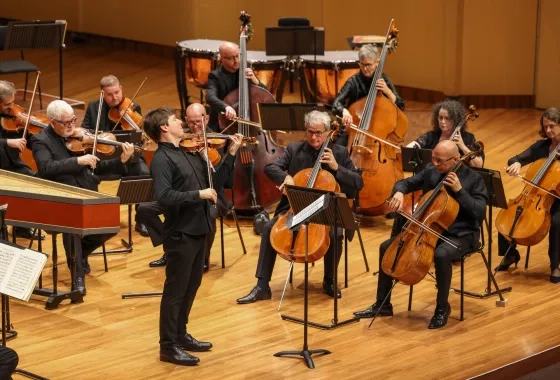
(296, 157)
(56, 163)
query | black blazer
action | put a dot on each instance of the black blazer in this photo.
(105, 124)
(56, 163)
(9, 157)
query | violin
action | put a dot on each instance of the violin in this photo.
(124, 113)
(411, 254)
(17, 118)
(81, 142)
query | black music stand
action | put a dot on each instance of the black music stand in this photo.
(285, 116)
(37, 35)
(496, 198)
(7, 332)
(295, 41)
(415, 160)
(132, 190)
(337, 214)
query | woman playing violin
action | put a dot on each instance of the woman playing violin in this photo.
(550, 130)
(445, 117)
(468, 189)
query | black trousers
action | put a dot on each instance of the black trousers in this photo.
(149, 214)
(183, 275)
(8, 362)
(553, 238)
(443, 256)
(83, 247)
(267, 254)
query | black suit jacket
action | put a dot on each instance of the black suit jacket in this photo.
(56, 163)
(300, 155)
(105, 124)
(9, 157)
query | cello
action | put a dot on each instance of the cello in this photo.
(252, 189)
(380, 164)
(291, 247)
(527, 218)
(411, 254)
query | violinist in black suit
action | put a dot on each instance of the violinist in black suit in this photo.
(56, 163)
(296, 157)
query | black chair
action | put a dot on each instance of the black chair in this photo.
(230, 211)
(18, 65)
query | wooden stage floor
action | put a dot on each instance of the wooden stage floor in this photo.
(107, 337)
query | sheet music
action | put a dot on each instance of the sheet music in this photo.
(309, 210)
(19, 270)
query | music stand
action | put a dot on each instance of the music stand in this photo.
(132, 190)
(337, 214)
(37, 35)
(415, 160)
(496, 198)
(285, 116)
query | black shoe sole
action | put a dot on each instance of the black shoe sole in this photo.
(169, 360)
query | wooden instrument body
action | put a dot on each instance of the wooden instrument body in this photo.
(381, 164)
(410, 256)
(282, 238)
(534, 222)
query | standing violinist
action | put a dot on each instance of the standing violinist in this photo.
(224, 80)
(195, 115)
(550, 130)
(296, 157)
(10, 148)
(468, 189)
(358, 85)
(56, 163)
(113, 97)
(182, 186)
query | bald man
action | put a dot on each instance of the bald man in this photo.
(224, 80)
(467, 187)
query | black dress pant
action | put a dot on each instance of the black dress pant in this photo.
(83, 247)
(444, 255)
(183, 275)
(267, 254)
(553, 238)
(8, 362)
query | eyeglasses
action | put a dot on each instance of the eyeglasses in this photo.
(440, 161)
(316, 134)
(367, 65)
(67, 123)
(193, 123)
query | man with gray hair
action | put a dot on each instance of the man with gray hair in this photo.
(296, 157)
(56, 163)
(10, 148)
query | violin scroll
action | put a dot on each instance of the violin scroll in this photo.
(246, 26)
(472, 115)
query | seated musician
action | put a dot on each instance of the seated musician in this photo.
(224, 80)
(358, 85)
(468, 189)
(296, 157)
(112, 97)
(56, 163)
(10, 148)
(182, 186)
(195, 113)
(445, 117)
(550, 130)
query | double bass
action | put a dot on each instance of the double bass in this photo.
(380, 163)
(252, 189)
(411, 254)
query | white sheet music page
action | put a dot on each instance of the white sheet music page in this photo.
(19, 271)
(309, 210)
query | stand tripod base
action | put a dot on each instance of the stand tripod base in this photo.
(56, 298)
(486, 294)
(147, 294)
(305, 353)
(332, 326)
(29, 374)
(10, 334)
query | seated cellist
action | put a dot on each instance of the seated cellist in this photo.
(468, 189)
(550, 130)
(296, 157)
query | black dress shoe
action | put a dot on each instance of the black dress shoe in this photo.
(80, 286)
(511, 258)
(189, 343)
(161, 262)
(177, 356)
(328, 288)
(141, 229)
(27, 233)
(386, 311)
(440, 317)
(87, 268)
(256, 294)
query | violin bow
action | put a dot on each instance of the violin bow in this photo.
(530, 183)
(429, 229)
(130, 105)
(31, 104)
(97, 124)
